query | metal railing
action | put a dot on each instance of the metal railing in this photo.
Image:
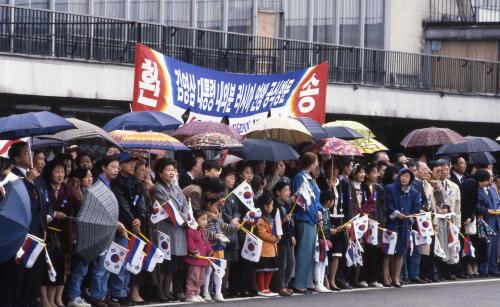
(70, 36)
(465, 11)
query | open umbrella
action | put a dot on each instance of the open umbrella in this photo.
(368, 146)
(85, 133)
(198, 127)
(281, 129)
(147, 140)
(484, 158)
(15, 219)
(267, 150)
(211, 140)
(96, 221)
(358, 127)
(431, 136)
(32, 124)
(313, 127)
(143, 121)
(472, 144)
(339, 147)
(344, 133)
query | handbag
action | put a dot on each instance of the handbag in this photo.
(471, 228)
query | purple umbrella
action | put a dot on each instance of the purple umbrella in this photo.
(198, 127)
(431, 136)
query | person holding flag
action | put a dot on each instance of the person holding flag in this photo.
(324, 243)
(167, 191)
(400, 200)
(306, 220)
(267, 264)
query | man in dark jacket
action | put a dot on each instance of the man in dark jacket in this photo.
(132, 211)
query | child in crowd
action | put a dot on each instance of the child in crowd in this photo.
(327, 198)
(268, 262)
(286, 254)
(197, 246)
(217, 230)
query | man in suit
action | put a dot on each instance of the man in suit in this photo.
(457, 175)
(193, 167)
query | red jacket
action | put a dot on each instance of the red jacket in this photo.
(197, 241)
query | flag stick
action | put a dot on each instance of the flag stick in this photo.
(140, 234)
(53, 229)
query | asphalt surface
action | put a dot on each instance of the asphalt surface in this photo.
(469, 293)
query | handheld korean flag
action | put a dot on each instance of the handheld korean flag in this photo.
(412, 244)
(164, 245)
(158, 213)
(50, 267)
(424, 225)
(469, 250)
(245, 195)
(438, 250)
(253, 216)
(360, 226)
(153, 256)
(191, 222)
(135, 255)
(219, 266)
(316, 250)
(389, 239)
(371, 235)
(29, 251)
(173, 214)
(419, 240)
(277, 227)
(303, 196)
(115, 257)
(349, 254)
(357, 250)
(453, 233)
(252, 248)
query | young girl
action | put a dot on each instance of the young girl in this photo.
(217, 230)
(286, 255)
(197, 246)
(326, 199)
(267, 263)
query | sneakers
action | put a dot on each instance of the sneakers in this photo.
(321, 289)
(201, 299)
(207, 297)
(376, 284)
(193, 299)
(78, 302)
(219, 298)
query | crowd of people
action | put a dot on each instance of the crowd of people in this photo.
(340, 189)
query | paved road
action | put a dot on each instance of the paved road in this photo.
(483, 293)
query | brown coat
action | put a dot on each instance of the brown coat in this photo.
(265, 233)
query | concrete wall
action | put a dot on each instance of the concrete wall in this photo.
(404, 21)
(56, 78)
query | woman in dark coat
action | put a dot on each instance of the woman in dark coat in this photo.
(400, 200)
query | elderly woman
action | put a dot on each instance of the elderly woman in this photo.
(306, 219)
(167, 190)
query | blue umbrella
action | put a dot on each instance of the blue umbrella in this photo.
(313, 127)
(472, 144)
(341, 132)
(143, 121)
(266, 150)
(484, 158)
(15, 219)
(32, 124)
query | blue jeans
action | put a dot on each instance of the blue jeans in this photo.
(118, 284)
(98, 278)
(413, 263)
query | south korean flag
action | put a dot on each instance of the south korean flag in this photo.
(424, 225)
(252, 248)
(115, 257)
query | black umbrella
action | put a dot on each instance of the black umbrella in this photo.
(484, 158)
(344, 133)
(471, 145)
(15, 219)
(313, 127)
(265, 150)
(96, 222)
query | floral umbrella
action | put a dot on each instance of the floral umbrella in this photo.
(339, 147)
(152, 142)
(368, 146)
(432, 136)
(198, 127)
(211, 140)
(358, 127)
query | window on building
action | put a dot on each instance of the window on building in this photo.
(240, 14)
(296, 19)
(274, 5)
(324, 21)
(209, 14)
(36, 4)
(72, 6)
(144, 10)
(374, 24)
(109, 8)
(349, 22)
(178, 13)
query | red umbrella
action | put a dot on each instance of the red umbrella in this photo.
(198, 127)
(431, 136)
